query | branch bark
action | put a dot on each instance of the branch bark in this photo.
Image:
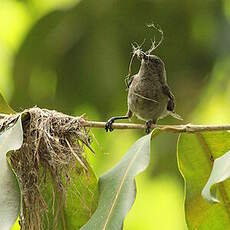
(188, 128)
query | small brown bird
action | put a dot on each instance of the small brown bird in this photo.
(149, 96)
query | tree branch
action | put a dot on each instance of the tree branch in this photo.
(188, 128)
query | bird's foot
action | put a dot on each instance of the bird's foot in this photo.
(108, 125)
(148, 126)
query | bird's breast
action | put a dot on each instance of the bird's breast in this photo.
(146, 99)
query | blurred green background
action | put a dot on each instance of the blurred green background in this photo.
(72, 56)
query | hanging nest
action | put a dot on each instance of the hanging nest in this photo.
(53, 144)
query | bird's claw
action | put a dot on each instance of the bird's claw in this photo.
(147, 131)
(148, 126)
(108, 125)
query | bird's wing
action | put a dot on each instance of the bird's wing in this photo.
(171, 102)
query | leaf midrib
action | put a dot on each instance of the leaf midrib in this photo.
(120, 187)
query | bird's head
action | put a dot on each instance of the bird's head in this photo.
(150, 62)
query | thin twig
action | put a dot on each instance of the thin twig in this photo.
(188, 128)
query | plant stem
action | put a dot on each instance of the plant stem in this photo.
(188, 128)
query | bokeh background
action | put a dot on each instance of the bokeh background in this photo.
(73, 56)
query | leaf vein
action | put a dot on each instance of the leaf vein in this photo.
(120, 187)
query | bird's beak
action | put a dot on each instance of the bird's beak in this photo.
(141, 55)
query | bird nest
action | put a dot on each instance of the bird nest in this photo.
(53, 144)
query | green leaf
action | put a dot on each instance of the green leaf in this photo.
(196, 154)
(118, 189)
(4, 107)
(220, 172)
(10, 140)
(81, 200)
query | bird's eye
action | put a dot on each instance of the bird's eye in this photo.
(157, 61)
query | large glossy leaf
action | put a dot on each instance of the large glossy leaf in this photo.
(196, 154)
(9, 191)
(117, 188)
(81, 200)
(11, 139)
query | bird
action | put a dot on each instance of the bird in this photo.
(149, 96)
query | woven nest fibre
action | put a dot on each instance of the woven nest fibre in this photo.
(53, 143)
